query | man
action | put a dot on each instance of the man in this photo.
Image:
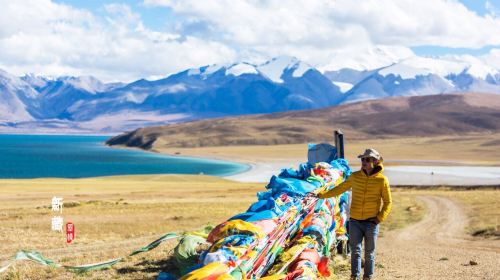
(369, 188)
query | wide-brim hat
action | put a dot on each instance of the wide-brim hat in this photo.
(370, 153)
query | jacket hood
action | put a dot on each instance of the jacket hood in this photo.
(377, 169)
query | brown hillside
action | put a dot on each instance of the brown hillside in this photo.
(448, 114)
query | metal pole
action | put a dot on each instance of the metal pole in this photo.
(339, 143)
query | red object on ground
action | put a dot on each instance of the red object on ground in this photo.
(323, 267)
(70, 232)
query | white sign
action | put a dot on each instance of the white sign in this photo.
(57, 223)
(57, 204)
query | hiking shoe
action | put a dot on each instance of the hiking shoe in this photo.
(367, 278)
(354, 278)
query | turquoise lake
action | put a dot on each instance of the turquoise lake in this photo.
(69, 156)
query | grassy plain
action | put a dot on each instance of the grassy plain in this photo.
(116, 215)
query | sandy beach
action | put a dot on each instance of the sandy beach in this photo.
(407, 161)
(398, 175)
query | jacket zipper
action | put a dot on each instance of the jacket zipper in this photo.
(364, 197)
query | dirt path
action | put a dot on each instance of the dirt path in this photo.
(437, 248)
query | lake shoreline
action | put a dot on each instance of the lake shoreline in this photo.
(29, 156)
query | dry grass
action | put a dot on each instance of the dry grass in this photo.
(474, 149)
(115, 215)
(482, 207)
(406, 209)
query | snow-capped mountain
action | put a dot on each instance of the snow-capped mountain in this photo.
(281, 84)
(15, 94)
(363, 58)
(419, 76)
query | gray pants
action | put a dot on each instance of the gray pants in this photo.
(359, 230)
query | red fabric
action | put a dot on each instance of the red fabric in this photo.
(298, 264)
(310, 255)
(294, 274)
(323, 267)
(268, 226)
(215, 232)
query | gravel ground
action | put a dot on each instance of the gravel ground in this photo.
(437, 248)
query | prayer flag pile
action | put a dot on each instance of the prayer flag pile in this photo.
(287, 233)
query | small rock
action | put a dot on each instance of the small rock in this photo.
(473, 263)
(412, 208)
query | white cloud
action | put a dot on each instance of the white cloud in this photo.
(61, 40)
(53, 39)
(366, 57)
(316, 30)
(342, 22)
(492, 58)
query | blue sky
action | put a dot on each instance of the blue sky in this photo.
(479, 6)
(124, 40)
(156, 18)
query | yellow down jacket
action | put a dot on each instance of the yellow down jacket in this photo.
(368, 192)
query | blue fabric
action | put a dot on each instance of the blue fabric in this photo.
(264, 195)
(344, 201)
(165, 276)
(313, 229)
(301, 173)
(359, 230)
(253, 216)
(315, 232)
(268, 207)
(291, 186)
(196, 266)
(290, 173)
(343, 165)
(323, 152)
(318, 206)
(238, 240)
(268, 204)
(344, 198)
(334, 224)
(264, 209)
(258, 206)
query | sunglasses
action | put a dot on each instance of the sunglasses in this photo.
(366, 159)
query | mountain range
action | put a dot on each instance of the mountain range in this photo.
(413, 116)
(86, 105)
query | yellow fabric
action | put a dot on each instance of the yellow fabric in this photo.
(238, 251)
(287, 257)
(212, 269)
(306, 240)
(339, 181)
(198, 233)
(368, 192)
(336, 217)
(274, 277)
(225, 276)
(230, 227)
